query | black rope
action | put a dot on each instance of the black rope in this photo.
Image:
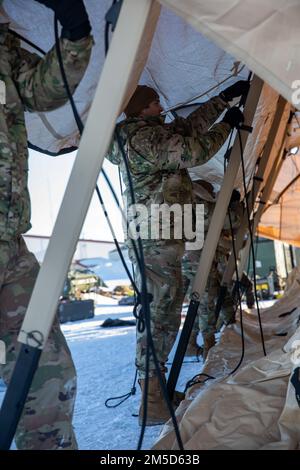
(117, 243)
(80, 128)
(196, 380)
(239, 298)
(31, 44)
(237, 279)
(124, 397)
(252, 246)
(146, 312)
(145, 307)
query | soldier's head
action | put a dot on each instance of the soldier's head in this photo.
(143, 103)
(206, 185)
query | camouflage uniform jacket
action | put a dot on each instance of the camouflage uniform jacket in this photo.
(159, 154)
(32, 84)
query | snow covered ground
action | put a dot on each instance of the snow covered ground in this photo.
(104, 358)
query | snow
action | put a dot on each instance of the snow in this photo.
(104, 359)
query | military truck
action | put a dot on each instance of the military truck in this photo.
(80, 280)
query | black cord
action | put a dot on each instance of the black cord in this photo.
(80, 129)
(117, 244)
(124, 397)
(64, 77)
(145, 302)
(196, 380)
(31, 44)
(239, 296)
(237, 278)
(251, 241)
(146, 311)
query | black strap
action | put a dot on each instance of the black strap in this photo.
(295, 381)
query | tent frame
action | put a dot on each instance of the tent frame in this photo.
(213, 234)
(259, 181)
(110, 95)
(266, 192)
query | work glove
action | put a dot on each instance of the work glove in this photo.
(237, 89)
(72, 16)
(234, 117)
(235, 197)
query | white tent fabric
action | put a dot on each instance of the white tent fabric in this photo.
(182, 64)
(264, 35)
(256, 408)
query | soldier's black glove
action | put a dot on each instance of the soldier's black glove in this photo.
(235, 197)
(72, 16)
(234, 117)
(237, 89)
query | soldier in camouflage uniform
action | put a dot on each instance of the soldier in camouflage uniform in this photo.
(206, 321)
(159, 155)
(34, 84)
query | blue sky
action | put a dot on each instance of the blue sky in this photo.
(48, 177)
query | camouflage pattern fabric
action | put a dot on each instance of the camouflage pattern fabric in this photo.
(46, 422)
(159, 154)
(34, 84)
(164, 282)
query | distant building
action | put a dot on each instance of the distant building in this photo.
(85, 248)
(100, 256)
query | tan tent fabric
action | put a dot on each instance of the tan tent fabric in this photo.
(213, 171)
(263, 35)
(255, 408)
(281, 219)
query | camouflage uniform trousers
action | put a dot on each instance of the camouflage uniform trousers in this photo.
(206, 320)
(164, 281)
(46, 421)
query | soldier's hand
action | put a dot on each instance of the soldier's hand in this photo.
(237, 89)
(235, 198)
(72, 16)
(234, 117)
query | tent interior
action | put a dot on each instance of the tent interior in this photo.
(189, 52)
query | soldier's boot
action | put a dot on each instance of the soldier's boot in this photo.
(250, 300)
(192, 348)
(157, 408)
(209, 342)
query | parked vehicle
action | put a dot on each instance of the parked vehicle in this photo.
(128, 300)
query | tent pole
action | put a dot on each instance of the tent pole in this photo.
(258, 183)
(266, 192)
(213, 235)
(121, 62)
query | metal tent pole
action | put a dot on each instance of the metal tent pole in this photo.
(258, 183)
(213, 235)
(266, 192)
